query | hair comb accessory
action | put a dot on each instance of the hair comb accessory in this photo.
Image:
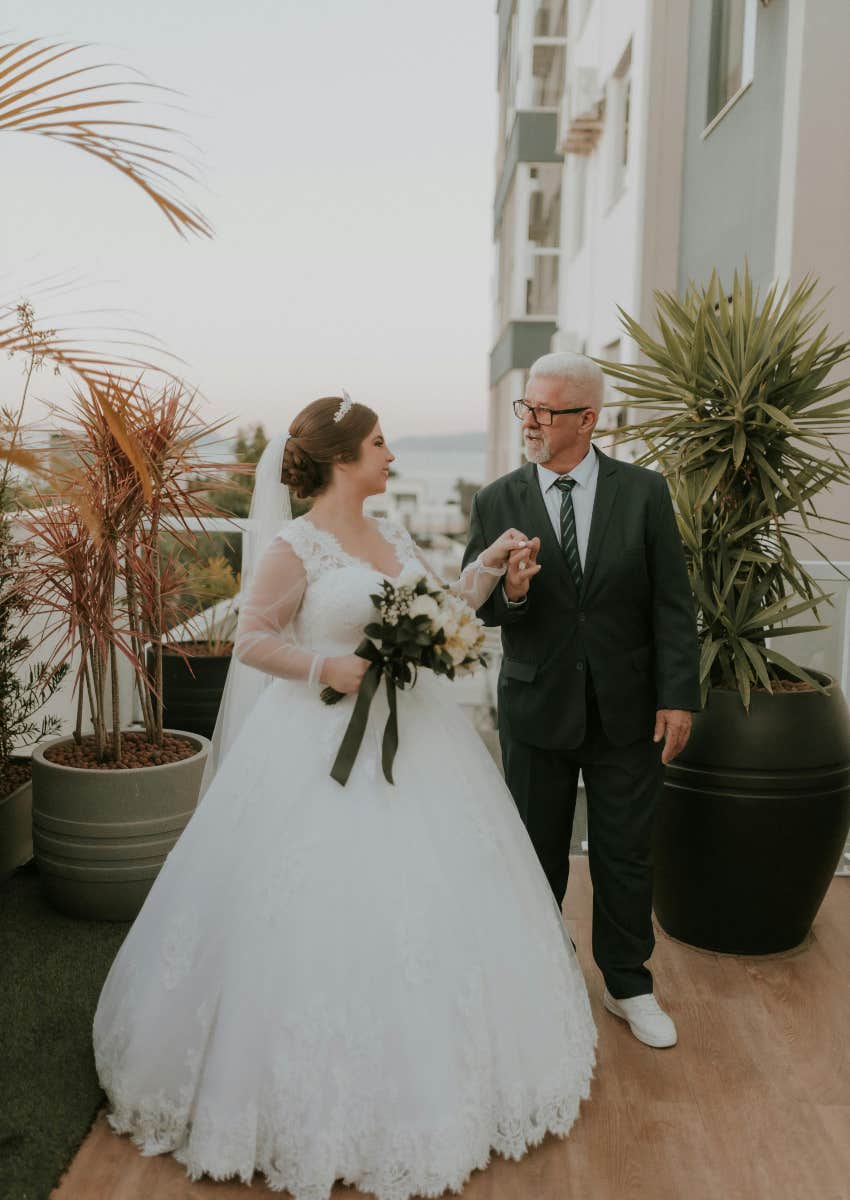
(344, 407)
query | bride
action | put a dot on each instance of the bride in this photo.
(370, 983)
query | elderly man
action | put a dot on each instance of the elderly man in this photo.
(600, 669)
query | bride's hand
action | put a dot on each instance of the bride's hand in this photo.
(499, 553)
(522, 567)
(345, 672)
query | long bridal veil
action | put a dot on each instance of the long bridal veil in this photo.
(270, 508)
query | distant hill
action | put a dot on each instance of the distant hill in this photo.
(467, 443)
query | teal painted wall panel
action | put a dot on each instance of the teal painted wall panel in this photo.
(520, 344)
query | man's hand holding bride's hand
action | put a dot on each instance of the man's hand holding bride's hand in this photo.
(522, 567)
(344, 673)
(498, 554)
(518, 555)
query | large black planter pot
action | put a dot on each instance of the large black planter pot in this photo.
(753, 819)
(191, 701)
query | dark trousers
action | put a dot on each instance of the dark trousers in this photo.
(622, 785)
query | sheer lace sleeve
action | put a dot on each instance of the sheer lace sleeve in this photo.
(476, 581)
(265, 637)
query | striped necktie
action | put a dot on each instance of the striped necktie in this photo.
(569, 537)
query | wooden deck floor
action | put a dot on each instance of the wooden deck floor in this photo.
(753, 1103)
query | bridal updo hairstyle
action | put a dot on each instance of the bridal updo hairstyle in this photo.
(317, 441)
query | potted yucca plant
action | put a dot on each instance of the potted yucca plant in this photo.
(109, 804)
(743, 416)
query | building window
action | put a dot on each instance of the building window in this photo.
(550, 20)
(508, 80)
(505, 260)
(731, 54)
(548, 72)
(544, 206)
(627, 112)
(619, 105)
(577, 202)
(548, 54)
(543, 238)
(541, 289)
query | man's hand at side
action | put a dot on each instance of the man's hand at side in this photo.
(674, 725)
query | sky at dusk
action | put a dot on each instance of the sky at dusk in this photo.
(347, 150)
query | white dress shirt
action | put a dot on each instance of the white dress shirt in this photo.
(583, 495)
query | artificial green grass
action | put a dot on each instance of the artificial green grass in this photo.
(52, 968)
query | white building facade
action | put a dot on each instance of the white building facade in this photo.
(527, 212)
(620, 131)
(643, 143)
(586, 210)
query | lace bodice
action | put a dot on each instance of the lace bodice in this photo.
(310, 599)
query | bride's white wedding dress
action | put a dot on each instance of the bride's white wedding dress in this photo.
(368, 982)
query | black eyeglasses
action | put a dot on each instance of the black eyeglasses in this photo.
(543, 416)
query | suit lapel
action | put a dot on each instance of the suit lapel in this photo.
(607, 486)
(539, 524)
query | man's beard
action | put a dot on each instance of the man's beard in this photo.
(537, 450)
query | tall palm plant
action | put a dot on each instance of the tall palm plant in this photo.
(94, 568)
(743, 415)
(100, 531)
(50, 90)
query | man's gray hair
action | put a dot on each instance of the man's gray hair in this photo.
(576, 369)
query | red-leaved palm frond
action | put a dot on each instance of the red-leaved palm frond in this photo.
(43, 91)
(95, 569)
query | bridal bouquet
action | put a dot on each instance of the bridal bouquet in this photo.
(418, 625)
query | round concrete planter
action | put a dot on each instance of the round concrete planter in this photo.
(15, 829)
(101, 837)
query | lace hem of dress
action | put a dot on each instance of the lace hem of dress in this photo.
(414, 1162)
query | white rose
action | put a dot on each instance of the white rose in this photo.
(455, 649)
(425, 606)
(450, 625)
(411, 574)
(469, 634)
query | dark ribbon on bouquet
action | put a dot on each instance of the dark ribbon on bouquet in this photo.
(353, 737)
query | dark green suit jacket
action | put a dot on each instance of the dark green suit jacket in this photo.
(632, 625)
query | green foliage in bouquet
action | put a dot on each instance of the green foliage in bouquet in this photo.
(743, 416)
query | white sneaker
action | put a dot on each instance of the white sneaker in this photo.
(646, 1018)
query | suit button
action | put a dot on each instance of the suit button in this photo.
(582, 617)
(579, 666)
